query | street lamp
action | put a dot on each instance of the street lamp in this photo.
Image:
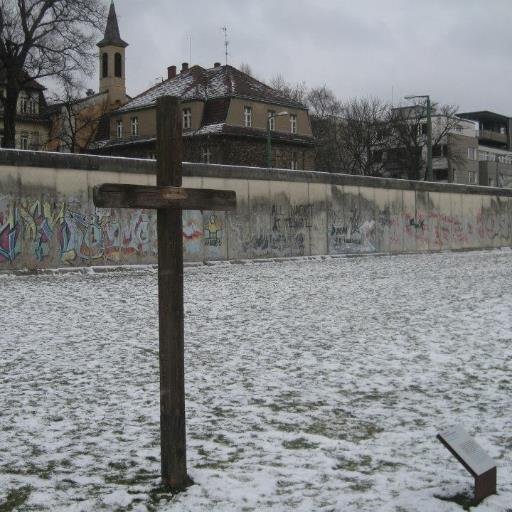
(430, 175)
(269, 137)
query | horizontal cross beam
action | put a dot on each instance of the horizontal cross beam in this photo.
(115, 195)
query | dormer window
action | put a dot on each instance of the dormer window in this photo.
(187, 118)
(293, 123)
(135, 126)
(248, 116)
(32, 106)
(23, 104)
(119, 129)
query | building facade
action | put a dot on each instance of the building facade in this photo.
(494, 142)
(226, 118)
(77, 122)
(32, 122)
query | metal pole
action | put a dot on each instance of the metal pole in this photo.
(269, 145)
(430, 174)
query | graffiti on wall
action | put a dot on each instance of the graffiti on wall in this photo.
(213, 231)
(351, 232)
(56, 230)
(9, 231)
(288, 233)
(41, 231)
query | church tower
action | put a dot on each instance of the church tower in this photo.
(112, 61)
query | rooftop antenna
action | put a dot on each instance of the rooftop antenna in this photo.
(226, 42)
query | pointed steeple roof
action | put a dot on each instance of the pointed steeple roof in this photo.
(112, 36)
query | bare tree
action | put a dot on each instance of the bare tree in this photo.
(407, 144)
(246, 68)
(349, 134)
(75, 118)
(365, 132)
(296, 92)
(44, 38)
(326, 122)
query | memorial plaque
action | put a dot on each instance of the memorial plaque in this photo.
(473, 457)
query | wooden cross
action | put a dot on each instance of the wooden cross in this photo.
(169, 198)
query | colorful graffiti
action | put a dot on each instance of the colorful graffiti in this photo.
(213, 231)
(62, 232)
(9, 232)
(49, 231)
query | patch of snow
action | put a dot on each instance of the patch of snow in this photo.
(311, 385)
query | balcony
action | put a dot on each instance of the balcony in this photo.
(493, 137)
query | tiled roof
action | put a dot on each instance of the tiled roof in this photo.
(112, 35)
(198, 83)
(212, 129)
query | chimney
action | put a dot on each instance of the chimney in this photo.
(184, 67)
(216, 65)
(171, 71)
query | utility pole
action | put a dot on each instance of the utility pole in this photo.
(430, 173)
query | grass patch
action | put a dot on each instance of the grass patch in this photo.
(15, 499)
(465, 500)
(299, 444)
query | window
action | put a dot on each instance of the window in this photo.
(271, 120)
(118, 65)
(105, 65)
(293, 123)
(473, 177)
(24, 141)
(294, 161)
(472, 154)
(119, 129)
(424, 129)
(206, 155)
(248, 117)
(23, 104)
(187, 118)
(135, 126)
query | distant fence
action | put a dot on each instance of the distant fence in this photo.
(47, 218)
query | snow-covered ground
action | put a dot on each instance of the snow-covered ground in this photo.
(311, 385)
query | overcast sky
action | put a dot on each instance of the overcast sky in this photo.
(458, 51)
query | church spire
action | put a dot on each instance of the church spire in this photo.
(112, 35)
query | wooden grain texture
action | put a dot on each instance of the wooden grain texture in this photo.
(169, 198)
(115, 195)
(170, 300)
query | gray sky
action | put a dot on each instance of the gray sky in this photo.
(455, 50)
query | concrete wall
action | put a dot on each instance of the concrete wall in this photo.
(47, 218)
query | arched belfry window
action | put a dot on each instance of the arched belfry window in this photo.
(105, 65)
(118, 61)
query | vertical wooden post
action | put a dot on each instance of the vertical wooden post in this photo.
(170, 297)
